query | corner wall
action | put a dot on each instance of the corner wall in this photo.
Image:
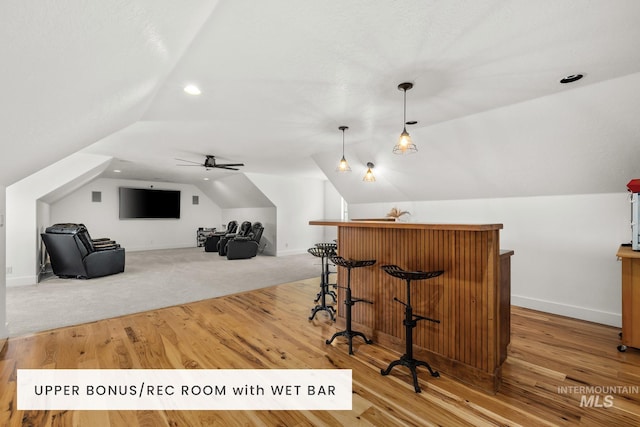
(268, 218)
(565, 246)
(23, 238)
(332, 210)
(297, 200)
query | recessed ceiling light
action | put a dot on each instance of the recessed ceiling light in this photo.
(117, 170)
(571, 78)
(206, 179)
(192, 90)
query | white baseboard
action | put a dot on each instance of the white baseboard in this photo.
(292, 252)
(158, 247)
(591, 315)
(21, 281)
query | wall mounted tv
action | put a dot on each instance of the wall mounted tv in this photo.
(148, 203)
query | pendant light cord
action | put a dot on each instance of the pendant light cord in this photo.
(404, 116)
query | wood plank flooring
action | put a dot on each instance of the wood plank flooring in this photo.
(549, 360)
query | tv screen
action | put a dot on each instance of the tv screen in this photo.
(147, 203)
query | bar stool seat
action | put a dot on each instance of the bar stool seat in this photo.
(349, 301)
(327, 246)
(410, 321)
(324, 251)
(398, 272)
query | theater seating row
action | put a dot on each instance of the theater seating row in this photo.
(234, 242)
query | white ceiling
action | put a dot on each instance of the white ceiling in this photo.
(279, 77)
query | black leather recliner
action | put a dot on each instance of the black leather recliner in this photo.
(74, 254)
(244, 230)
(243, 247)
(211, 244)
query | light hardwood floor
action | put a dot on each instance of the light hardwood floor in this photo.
(268, 328)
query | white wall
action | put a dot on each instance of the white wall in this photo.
(565, 246)
(102, 218)
(43, 216)
(4, 332)
(268, 218)
(298, 201)
(332, 210)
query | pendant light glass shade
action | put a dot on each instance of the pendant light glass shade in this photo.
(343, 166)
(405, 145)
(368, 176)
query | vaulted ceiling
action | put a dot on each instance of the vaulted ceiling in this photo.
(278, 78)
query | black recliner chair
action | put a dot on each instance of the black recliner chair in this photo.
(243, 231)
(243, 247)
(211, 244)
(74, 254)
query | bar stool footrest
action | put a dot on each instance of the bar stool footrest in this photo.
(319, 295)
(418, 317)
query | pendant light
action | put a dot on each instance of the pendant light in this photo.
(368, 177)
(343, 166)
(405, 145)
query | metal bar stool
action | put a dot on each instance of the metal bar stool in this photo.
(410, 322)
(349, 300)
(329, 251)
(323, 251)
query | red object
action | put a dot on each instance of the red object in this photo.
(634, 185)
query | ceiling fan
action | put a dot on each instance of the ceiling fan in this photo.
(210, 163)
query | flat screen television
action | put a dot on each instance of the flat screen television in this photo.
(148, 203)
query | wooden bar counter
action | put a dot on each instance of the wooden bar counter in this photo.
(471, 298)
(630, 297)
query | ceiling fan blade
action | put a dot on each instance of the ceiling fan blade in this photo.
(190, 161)
(226, 167)
(198, 164)
(231, 164)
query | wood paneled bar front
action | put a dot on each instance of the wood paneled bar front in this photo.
(471, 298)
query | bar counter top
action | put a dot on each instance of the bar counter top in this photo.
(406, 225)
(626, 252)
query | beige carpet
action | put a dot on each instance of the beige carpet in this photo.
(152, 279)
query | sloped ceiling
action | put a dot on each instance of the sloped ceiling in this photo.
(582, 141)
(279, 77)
(235, 191)
(75, 72)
